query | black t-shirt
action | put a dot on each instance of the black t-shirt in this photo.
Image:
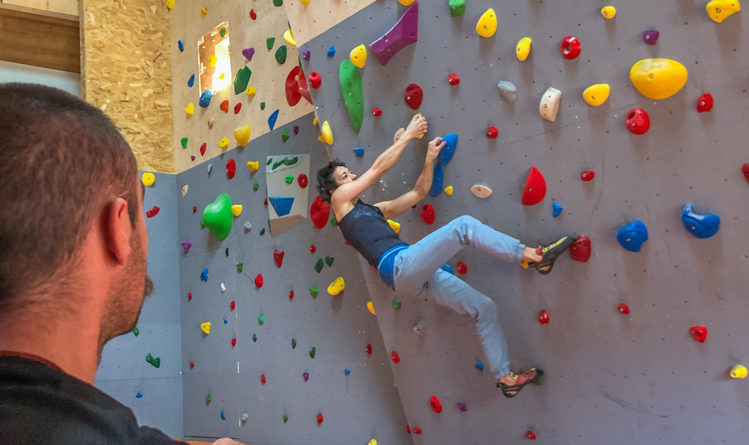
(42, 405)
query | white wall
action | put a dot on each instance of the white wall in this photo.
(16, 72)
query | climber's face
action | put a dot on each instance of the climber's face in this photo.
(343, 175)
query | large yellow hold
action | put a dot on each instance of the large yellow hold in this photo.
(358, 56)
(718, 10)
(487, 24)
(658, 78)
(242, 135)
(523, 48)
(596, 95)
(337, 286)
(327, 133)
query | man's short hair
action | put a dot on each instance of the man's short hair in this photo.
(61, 161)
(325, 179)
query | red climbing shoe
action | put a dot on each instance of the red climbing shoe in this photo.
(521, 380)
(550, 253)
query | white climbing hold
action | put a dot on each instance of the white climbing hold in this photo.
(549, 106)
(481, 191)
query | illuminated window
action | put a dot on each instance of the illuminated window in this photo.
(215, 63)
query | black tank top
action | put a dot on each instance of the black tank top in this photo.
(366, 229)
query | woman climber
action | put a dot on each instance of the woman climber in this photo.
(415, 269)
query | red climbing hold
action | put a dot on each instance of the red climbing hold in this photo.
(319, 418)
(530, 435)
(262, 379)
(194, 209)
(189, 296)
(296, 87)
(202, 149)
(224, 105)
(253, 15)
(153, 212)
(291, 295)
(453, 79)
(315, 80)
(192, 365)
(231, 168)
(377, 111)
(638, 121)
(461, 267)
(427, 213)
(492, 132)
(259, 281)
(623, 308)
(413, 96)
(570, 47)
(319, 213)
(278, 257)
(265, 202)
(237, 107)
(408, 429)
(436, 405)
(699, 333)
(705, 103)
(396, 358)
(369, 349)
(232, 305)
(302, 180)
(312, 248)
(587, 175)
(580, 249)
(535, 188)
(745, 170)
(416, 430)
(543, 316)
(233, 342)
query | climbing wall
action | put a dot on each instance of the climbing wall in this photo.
(256, 38)
(309, 20)
(276, 354)
(154, 393)
(611, 377)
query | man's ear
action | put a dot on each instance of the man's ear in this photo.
(118, 229)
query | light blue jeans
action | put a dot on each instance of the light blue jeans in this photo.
(417, 271)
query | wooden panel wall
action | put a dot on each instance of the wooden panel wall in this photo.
(69, 7)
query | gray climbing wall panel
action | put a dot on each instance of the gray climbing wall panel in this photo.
(357, 407)
(123, 371)
(611, 378)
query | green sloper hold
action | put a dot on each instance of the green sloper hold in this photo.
(353, 92)
(281, 54)
(269, 42)
(319, 265)
(457, 7)
(217, 216)
(241, 80)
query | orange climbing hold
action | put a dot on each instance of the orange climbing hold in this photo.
(535, 188)
(224, 106)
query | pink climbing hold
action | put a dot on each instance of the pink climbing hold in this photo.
(543, 316)
(535, 188)
(435, 403)
(705, 103)
(259, 281)
(580, 248)
(278, 257)
(461, 267)
(427, 213)
(413, 96)
(231, 168)
(587, 175)
(402, 34)
(153, 212)
(638, 121)
(453, 79)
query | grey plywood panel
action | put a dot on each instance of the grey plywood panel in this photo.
(610, 378)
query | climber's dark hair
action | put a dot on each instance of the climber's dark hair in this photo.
(325, 179)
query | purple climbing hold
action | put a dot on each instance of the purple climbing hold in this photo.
(404, 33)
(462, 406)
(186, 245)
(305, 376)
(248, 53)
(650, 36)
(295, 130)
(306, 54)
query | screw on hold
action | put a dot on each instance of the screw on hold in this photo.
(254, 338)
(138, 395)
(369, 349)
(293, 343)
(305, 376)
(223, 416)
(319, 265)
(479, 366)
(313, 291)
(419, 328)
(240, 267)
(261, 320)
(346, 371)
(285, 418)
(208, 398)
(312, 352)
(245, 417)
(462, 406)
(136, 332)
(396, 304)
(155, 362)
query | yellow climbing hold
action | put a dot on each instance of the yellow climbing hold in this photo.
(148, 179)
(394, 225)
(170, 4)
(738, 372)
(236, 209)
(658, 78)
(242, 135)
(370, 306)
(523, 48)
(253, 166)
(405, 2)
(358, 56)
(718, 10)
(223, 143)
(304, 1)
(212, 61)
(487, 24)
(315, 122)
(608, 12)
(190, 109)
(597, 94)
(250, 91)
(327, 133)
(203, 12)
(289, 37)
(449, 190)
(337, 286)
(372, 442)
(206, 327)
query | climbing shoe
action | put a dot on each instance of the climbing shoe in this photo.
(521, 380)
(550, 253)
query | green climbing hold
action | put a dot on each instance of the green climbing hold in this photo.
(183, 141)
(396, 304)
(281, 54)
(289, 179)
(285, 418)
(217, 216)
(353, 92)
(261, 320)
(222, 32)
(319, 265)
(333, 221)
(269, 42)
(155, 362)
(136, 331)
(457, 7)
(268, 161)
(312, 352)
(240, 267)
(262, 106)
(241, 80)
(277, 2)
(329, 261)
(313, 291)
(284, 135)
(293, 343)
(208, 398)
(255, 186)
(254, 338)
(285, 161)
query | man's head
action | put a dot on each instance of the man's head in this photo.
(71, 219)
(331, 177)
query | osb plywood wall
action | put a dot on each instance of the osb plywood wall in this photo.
(126, 71)
(188, 25)
(312, 19)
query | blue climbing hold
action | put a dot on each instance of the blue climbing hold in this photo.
(272, 119)
(223, 416)
(479, 366)
(331, 51)
(204, 275)
(138, 395)
(446, 267)
(359, 151)
(205, 98)
(226, 320)
(701, 226)
(448, 151)
(632, 236)
(556, 209)
(437, 179)
(347, 371)
(180, 45)
(282, 206)
(191, 81)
